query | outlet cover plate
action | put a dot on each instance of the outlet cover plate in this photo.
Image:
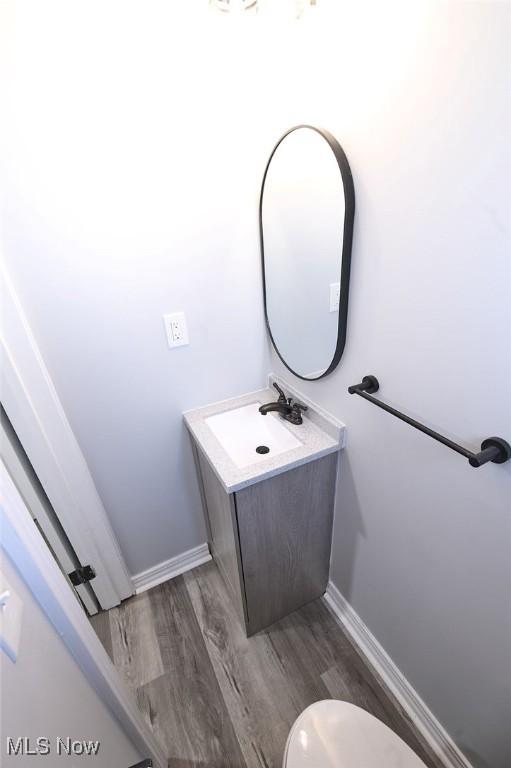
(335, 296)
(176, 329)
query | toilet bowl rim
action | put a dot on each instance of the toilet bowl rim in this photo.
(300, 716)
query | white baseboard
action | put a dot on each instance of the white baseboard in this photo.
(171, 568)
(423, 719)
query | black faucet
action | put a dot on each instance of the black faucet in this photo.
(288, 410)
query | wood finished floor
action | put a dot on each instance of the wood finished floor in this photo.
(216, 699)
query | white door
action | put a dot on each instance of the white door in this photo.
(56, 677)
(33, 408)
(42, 513)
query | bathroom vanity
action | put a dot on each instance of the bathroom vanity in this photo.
(269, 513)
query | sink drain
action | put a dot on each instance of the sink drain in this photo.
(262, 449)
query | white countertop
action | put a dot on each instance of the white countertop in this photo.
(319, 435)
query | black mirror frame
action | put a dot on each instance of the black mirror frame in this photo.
(349, 215)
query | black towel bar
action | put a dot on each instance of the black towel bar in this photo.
(492, 449)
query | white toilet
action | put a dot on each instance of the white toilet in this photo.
(336, 734)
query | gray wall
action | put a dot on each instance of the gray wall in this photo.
(134, 179)
(45, 694)
(422, 545)
(131, 194)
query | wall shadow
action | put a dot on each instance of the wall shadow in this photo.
(348, 528)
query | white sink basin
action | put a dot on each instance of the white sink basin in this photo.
(242, 430)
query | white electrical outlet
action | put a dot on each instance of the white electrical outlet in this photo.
(176, 329)
(335, 296)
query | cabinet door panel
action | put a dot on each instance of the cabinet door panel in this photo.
(285, 531)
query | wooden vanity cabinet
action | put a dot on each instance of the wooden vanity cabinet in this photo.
(271, 540)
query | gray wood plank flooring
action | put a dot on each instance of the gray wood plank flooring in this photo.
(216, 698)
(135, 647)
(101, 623)
(186, 703)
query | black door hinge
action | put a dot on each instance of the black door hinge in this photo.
(82, 575)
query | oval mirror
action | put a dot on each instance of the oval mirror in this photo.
(306, 212)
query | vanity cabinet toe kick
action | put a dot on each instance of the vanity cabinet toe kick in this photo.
(271, 540)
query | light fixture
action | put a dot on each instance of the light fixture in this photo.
(282, 8)
(234, 5)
